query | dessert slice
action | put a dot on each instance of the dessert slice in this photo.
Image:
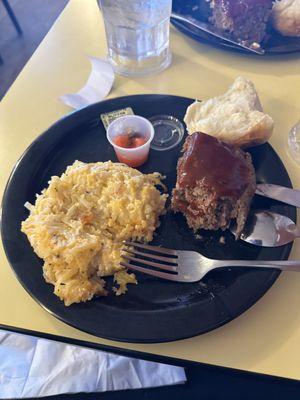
(215, 184)
(244, 20)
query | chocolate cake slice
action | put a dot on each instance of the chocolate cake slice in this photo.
(244, 20)
(215, 184)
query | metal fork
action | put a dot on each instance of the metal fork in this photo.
(186, 266)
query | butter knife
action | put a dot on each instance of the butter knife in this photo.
(281, 193)
(207, 28)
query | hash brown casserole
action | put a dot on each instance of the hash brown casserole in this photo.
(77, 225)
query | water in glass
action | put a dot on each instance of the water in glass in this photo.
(137, 33)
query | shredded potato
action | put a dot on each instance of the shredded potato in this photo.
(77, 225)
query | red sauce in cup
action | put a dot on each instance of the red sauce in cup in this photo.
(131, 163)
(130, 141)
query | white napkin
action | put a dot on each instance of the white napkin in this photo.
(32, 367)
(96, 88)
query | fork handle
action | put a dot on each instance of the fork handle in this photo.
(282, 265)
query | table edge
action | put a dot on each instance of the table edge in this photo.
(137, 354)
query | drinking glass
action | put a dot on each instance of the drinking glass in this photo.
(137, 33)
(294, 142)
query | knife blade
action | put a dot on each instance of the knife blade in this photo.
(281, 193)
(207, 28)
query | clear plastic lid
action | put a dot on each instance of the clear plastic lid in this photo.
(168, 132)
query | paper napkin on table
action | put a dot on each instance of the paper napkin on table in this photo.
(32, 367)
(96, 88)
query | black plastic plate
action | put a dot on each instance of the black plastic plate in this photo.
(154, 310)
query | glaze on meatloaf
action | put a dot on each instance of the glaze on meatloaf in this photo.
(244, 20)
(215, 184)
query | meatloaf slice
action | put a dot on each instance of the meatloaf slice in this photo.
(215, 184)
(244, 20)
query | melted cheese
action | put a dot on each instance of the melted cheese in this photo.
(79, 222)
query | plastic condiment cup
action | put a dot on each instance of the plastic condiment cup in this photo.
(136, 156)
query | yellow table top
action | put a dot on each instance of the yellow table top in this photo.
(264, 339)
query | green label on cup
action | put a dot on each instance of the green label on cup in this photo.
(107, 118)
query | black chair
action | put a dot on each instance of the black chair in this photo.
(12, 17)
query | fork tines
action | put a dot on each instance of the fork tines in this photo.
(157, 249)
(139, 259)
